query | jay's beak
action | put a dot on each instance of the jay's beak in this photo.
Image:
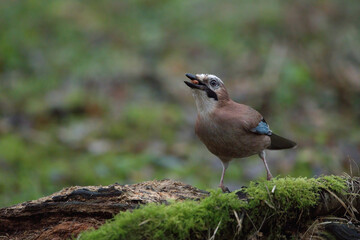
(195, 82)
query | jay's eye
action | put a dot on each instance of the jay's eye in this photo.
(214, 83)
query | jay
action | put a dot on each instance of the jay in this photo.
(229, 129)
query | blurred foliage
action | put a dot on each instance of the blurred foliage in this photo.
(92, 92)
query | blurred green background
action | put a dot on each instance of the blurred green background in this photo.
(92, 92)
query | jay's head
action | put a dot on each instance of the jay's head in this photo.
(208, 90)
(207, 85)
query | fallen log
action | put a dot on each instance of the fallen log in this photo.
(257, 211)
(72, 210)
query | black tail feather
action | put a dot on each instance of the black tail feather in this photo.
(278, 143)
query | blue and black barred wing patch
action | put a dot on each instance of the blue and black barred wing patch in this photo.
(262, 128)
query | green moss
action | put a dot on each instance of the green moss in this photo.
(179, 220)
(333, 183)
(290, 192)
(199, 219)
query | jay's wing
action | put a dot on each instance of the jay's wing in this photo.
(254, 122)
(251, 120)
(277, 142)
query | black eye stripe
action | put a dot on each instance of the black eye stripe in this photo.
(211, 94)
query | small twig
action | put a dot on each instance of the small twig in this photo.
(273, 189)
(312, 226)
(216, 229)
(271, 199)
(262, 223)
(312, 233)
(143, 222)
(300, 216)
(335, 219)
(324, 223)
(269, 204)
(267, 189)
(342, 203)
(352, 195)
(239, 221)
(251, 221)
(351, 169)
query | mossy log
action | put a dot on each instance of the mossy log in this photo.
(72, 210)
(326, 207)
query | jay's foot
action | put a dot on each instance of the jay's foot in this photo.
(224, 189)
(269, 176)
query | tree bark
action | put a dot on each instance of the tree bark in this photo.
(72, 210)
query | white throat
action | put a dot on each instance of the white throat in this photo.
(204, 104)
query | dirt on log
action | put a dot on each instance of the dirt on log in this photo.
(72, 210)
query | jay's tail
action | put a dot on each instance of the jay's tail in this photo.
(278, 143)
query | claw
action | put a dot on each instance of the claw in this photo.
(224, 189)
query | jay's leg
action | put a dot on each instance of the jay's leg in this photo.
(262, 156)
(223, 188)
